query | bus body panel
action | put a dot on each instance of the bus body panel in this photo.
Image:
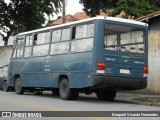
(45, 71)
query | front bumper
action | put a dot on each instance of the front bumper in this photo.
(120, 82)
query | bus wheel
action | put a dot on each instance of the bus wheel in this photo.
(106, 95)
(18, 86)
(5, 86)
(66, 92)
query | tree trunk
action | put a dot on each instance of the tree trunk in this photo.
(5, 39)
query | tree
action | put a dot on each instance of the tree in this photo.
(93, 7)
(23, 15)
(136, 8)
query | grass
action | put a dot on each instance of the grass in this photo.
(153, 101)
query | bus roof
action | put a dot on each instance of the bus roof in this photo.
(86, 20)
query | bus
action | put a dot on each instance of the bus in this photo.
(98, 55)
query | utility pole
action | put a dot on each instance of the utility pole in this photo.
(64, 12)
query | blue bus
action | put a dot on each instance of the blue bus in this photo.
(98, 55)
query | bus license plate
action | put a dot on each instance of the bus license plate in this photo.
(124, 71)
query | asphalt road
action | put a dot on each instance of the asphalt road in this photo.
(9, 101)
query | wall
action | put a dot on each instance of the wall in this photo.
(5, 54)
(154, 54)
(154, 61)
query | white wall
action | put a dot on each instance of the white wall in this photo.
(154, 61)
(5, 54)
(10, 41)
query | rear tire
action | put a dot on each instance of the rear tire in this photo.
(18, 86)
(67, 93)
(5, 86)
(106, 95)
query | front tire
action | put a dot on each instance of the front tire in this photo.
(5, 86)
(67, 93)
(106, 95)
(18, 86)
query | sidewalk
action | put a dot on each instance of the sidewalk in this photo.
(136, 97)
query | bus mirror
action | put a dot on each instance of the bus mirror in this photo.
(14, 43)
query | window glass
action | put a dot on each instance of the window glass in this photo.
(56, 35)
(40, 50)
(131, 37)
(20, 46)
(81, 31)
(41, 38)
(29, 40)
(60, 48)
(90, 30)
(47, 37)
(111, 42)
(82, 45)
(124, 38)
(27, 52)
(65, 34)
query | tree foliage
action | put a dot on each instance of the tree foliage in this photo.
(93, 7)
(136, 8)
(23, 15)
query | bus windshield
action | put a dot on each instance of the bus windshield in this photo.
(124, 38)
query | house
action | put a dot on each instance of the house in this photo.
(153, 21)
(81, 16)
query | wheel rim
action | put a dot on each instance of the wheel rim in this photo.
(17, 87)
(5, 86)
(64, 89)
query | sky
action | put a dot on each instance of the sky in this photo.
(72, 7)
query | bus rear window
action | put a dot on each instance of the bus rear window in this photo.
(124, 38)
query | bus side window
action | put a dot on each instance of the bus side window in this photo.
(60, 41)
(81, 32)
(56, 35)
(82, 38)
(65, 34)
(20, 46)
(28, 46)
(41, 44)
